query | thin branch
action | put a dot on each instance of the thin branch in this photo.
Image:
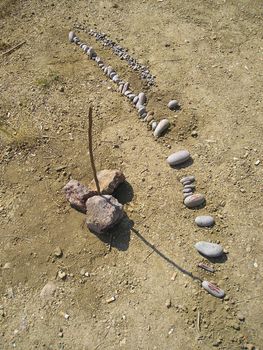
(91, 152)
(13, 48)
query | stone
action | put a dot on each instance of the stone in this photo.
(62, 274)
(71, 36)
(131, 96)
(142, 98)
(125, 87)
(204, 221)
(189, 179)
(162, 126)
(77, 195)
(149, 117)
(135, 100)
(48, 290)
(213, 289)
(103, 212)
(173, 105)
(109, 180)
(91, 53)
(187, 190)
(211, 250)
(188, 194)
(154, 125)
(178, 157)
(58, 252)
(142, 111)
(168, 303)
(195, 200)
(190, 186)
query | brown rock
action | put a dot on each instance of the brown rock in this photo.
(109, 180)
(48, 290)
(77, 195)
(103, 212)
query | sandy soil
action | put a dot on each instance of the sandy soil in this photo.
(207, 55)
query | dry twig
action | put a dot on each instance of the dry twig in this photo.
(13, 48)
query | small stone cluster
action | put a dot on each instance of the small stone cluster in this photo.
(137, 100)
(102, 211)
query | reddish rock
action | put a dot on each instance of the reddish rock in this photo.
(103, 212)
(77, 195)
(109, 180)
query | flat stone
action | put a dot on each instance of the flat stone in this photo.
(178, 157)
(211, 250)
(103, 212)
(192, 186)
(205, 221)
(213, 289)
(188, 194)
(154, 125)
(195, 200)
(189, 179)
(48, 290)
(187, 190)
(162, 126)
(109, 180)
(77, 194)
(173, 104)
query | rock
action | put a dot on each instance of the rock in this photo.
(173, 105)
(168, 303)
(187, 190)
(91, 53)
(195, 200)
(189, 186)
(211, 250)
(205, 221)
(48, 290)
(7, 266)
(154, 125)
(135, 100)
(71, 36)
(178, 157)
(240, 317)
(62, 274)
(149, 117)
(194, 133)
(131, 97)
(109, 180)
(142, 98)
(162, 126)
(77, 194)
(142, 111)
(103, 212)
(188, 194)
(189, 179)
(212, 289)
(58, 252)
(110, 300)
(125, 88)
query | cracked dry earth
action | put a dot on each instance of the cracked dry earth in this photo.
(143, 294)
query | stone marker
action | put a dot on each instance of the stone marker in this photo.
(195, 200)
(103, 212)
(77, 194)
(211, 250)
(109, 180)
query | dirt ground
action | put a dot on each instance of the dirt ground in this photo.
(208, 56)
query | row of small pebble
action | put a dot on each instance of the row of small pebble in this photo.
(139, 101)
(191, 200)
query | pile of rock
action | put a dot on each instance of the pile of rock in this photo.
(102, 211)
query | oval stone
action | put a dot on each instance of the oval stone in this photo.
(195, 200)
(213, 289)
(187, 190)
(135, 100)
(211, 250)
(142, 111)
(125, 87)
(71, 36)
(142, 98)
(190, 186)
(131, 96)
(205, 221)
(178, 157)
(154, 125)
(188, 194)
(173, 104)
(189, 179)
(163, 125)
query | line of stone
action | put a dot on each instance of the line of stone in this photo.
(138, 101)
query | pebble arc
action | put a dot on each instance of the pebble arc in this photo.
(204, 221)
(212, 289)
(163, 125)
(195, 200)
(178, 157)
(211, 250)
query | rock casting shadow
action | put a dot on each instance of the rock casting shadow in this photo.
(164, 257)
(183, 165)
(124, 193)
(220, 260)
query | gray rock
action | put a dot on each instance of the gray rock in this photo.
(91, 53)
(178, 157)
(173, 104)
(84, 48)
(205, 221)
(116, 79)
(48, 290)
(142, 111)
(77, 194)
(127, 92)
(109, 180)
(189, 179)
(154, 125)
(187, 190)
(125, 87)
(112, 74)
(120, 88)
(131, 96)
(135, 100)
(163, 125)
(103, 212)
(71, 36)
(109, 70)
(190, 186)
(195, 200)
(211, 250)
(142, 98)
(188, 194)
(212, 289)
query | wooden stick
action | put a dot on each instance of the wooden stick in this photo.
(198, 321)
(13, 48)
(91, 153)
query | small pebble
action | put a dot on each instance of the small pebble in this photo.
(212, 289)
(190, 186)
(195, 200)
(205, 221)
(71, 36)
(178, 157)
(135, 100)
(188, 194)
(62, 275)
(142, 111)
(125, 87)
(163, 125)
(142, 98)
(111, 300)
(154, 125)
(168, 303)
(189, 179)
(173, 105)
(211, 250)
(58, 252)
(187, 190)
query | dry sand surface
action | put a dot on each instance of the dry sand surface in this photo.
(208, 56)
